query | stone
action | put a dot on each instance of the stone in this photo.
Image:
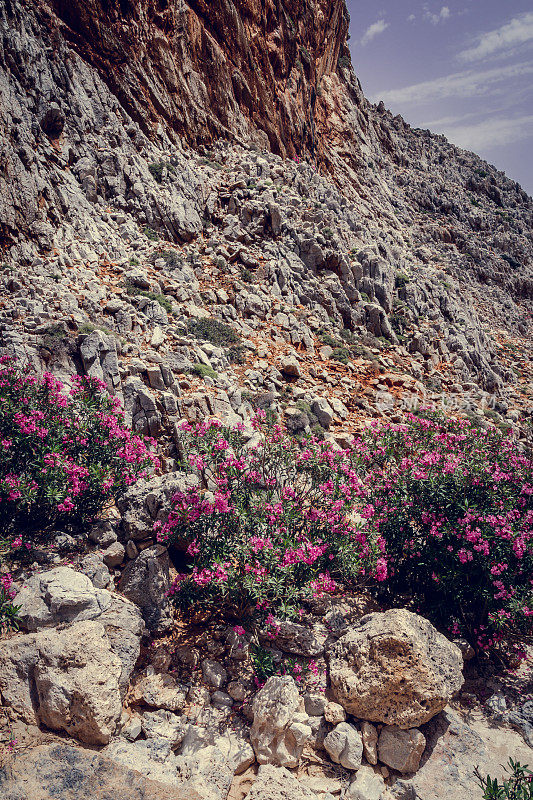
(345, 746)
(315, 704)
(301, 640)
(61, 772)
(163, 724)
(322, 411)
(159, 690)
(369, 734)
(453, 751)
(290, 366)
(367, 785)
(114, 555)
(213, 673)
(334, 713)
(401, 750)
(275, 735)
(95, 569)
(77, 682)
(145, 581)
(57, 596)
(277, 783)
(395, 668)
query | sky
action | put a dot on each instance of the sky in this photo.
(463, 68)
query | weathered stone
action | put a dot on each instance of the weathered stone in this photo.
(369, 735)
(114, 555)
(399, 749)
(367, 785)
(395, 668)
(61, 772)
(344, 745)
(162, 724)
(77, 682)
(301, 640)
(160, 690)
(290, 366)
(275, 736)
(145, 582)
(277, 783)
(334, 713)
(213, 673)
(59, 595)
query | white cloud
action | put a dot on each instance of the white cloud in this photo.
(490, 133)
(374, 30)
(440, 16)
(501, 41)
(411, 18)
(459, 84)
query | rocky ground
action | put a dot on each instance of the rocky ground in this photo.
(212, 269)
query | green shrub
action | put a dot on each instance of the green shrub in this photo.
(151, 234)
(161, 170)
(213, 331)
(164, 301)
(401, 280)
(454, 505)
(518, 786)
(341, 354)
(235, 354)
(203, 371)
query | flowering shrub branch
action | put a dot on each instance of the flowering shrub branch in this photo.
(63, 454)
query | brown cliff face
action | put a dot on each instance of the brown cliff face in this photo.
(250, 69)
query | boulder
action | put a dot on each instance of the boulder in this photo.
(77, 682)
(278, 733)
(290, 366)
(59, 595)
(145, 582)
(61, 772)
(395, 668)
(277, 783)
(367, 785)
(401, 750)
(345, 746)
(301, 640)
(162, 724)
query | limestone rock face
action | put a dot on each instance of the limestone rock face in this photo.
(395, 668)
(277, 783)
(77, 682)
(59, 595)
(401, 750)
(145, 582)
(278, 735)
(53, 771)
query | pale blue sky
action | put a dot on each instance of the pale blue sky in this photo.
(463, 68)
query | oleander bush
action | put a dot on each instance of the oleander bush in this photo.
(454, 504)
(64, 454)
(9, 619)
(273, 529)
(435, 512)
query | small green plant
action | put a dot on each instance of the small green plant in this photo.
(518, 786)
(247, 276)
(341, 354)
(172, 258)
(134, 261)
(235, 354)
(213, 331)
(162, 299)
(263, 662)
(401, 280)
(151, 234)
(87, 328)
(365, 297)
(327, 233)
(203, 371)
(327, 338)
(161, 170)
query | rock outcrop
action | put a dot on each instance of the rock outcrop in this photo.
(396, 669)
